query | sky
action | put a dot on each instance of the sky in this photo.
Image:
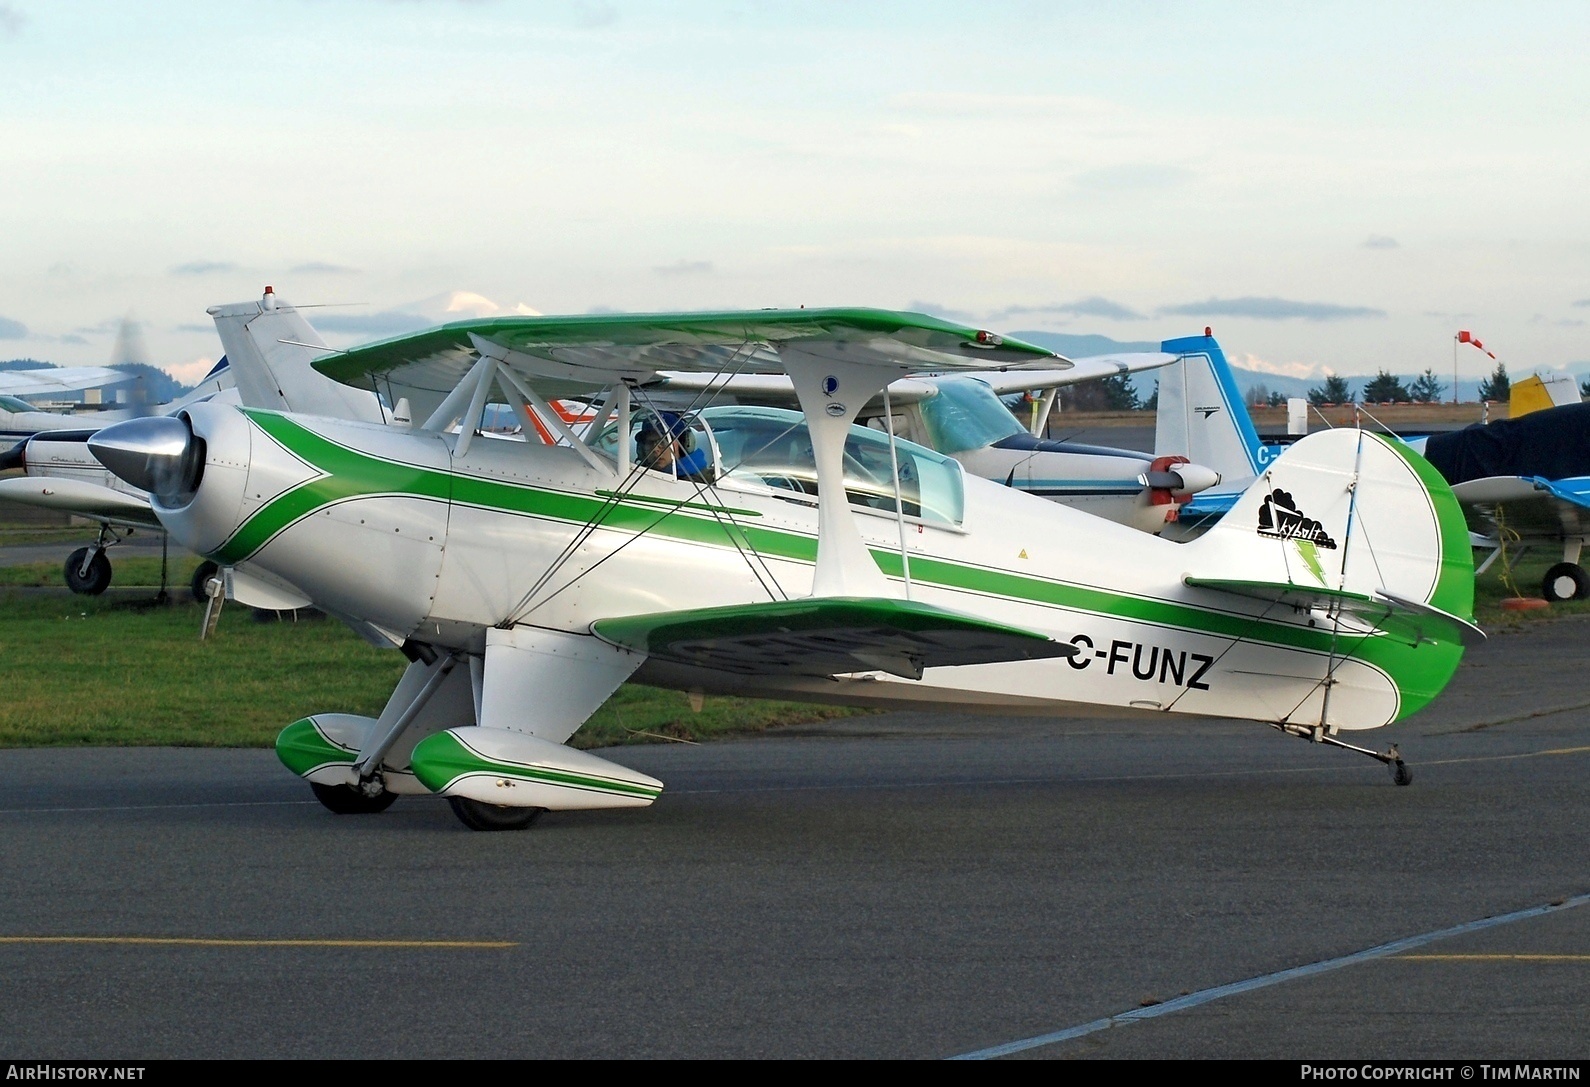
(1334, 187)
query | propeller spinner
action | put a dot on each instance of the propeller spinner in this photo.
(158, 454)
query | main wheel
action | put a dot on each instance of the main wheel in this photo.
(1565, 581)
(201, 578)
(481, 816)
(92, 581)
(345, 800)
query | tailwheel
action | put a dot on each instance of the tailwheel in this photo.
(1391, 757)
(346, 800)
(1565, 581)
(481, 816)
(87, 571)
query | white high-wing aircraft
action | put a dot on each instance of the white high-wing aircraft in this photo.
(807, 559)
(962, 415)
(18, 418)
(268, 350)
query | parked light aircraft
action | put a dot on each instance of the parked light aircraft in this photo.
(1523, 481)
(268, 348)
(962, 415)
(813, 559)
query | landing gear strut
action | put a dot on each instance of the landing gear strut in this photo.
(1400, 774)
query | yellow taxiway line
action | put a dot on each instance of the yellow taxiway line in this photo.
(200, 941)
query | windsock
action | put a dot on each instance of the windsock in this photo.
(1465, 336)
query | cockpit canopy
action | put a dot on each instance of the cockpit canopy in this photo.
(762, 448)
(768, 450)
(965, 414)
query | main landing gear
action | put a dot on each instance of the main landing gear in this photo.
(1400, 774)
(1565, 581)
(477, 815)
(347, 800)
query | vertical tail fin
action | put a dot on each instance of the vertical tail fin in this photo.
(1201, 415)
(270, 347)
(1362, 535)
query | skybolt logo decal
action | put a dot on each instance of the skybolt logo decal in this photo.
(1180, 668)
(1280, 519)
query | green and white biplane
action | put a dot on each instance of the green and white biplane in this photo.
(789, 554)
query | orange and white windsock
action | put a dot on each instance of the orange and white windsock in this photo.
(1465, 336)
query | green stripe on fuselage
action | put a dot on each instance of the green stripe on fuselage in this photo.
(1418, 672)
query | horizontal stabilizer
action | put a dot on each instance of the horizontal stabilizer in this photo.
(824, 636)
(1401, 618)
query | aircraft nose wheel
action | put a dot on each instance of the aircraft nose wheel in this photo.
(480, 816)
(348, 801)
(87, 571)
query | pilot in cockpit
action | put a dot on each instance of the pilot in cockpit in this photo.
(666, 444)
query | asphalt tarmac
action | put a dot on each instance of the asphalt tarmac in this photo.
(902, 885)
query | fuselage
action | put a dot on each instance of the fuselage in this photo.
(387, 528)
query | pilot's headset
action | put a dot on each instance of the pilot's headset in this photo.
(679, 428)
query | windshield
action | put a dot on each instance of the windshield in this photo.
(11, 403)
(769, 447)
(966, 415)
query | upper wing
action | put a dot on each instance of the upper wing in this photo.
(1036, 375)
(566, 356)
(60, 379)
(826, 636)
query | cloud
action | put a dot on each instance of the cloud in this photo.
(109, 324)
(203, 268)
(1560, 322)
(1093, 306)
(1582, 303)
(1381, 241)
(12, 330)
(588, 16)
(1270, 309)
(11, 21)
(190, 373)
(194, 328)
(1132, 176)
(933, 309)
(321, 268)
(384, 323)
(72, 338)
(684, 268)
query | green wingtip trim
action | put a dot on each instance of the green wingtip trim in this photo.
(303, 748)
(1422, 672)
(1454, 588)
